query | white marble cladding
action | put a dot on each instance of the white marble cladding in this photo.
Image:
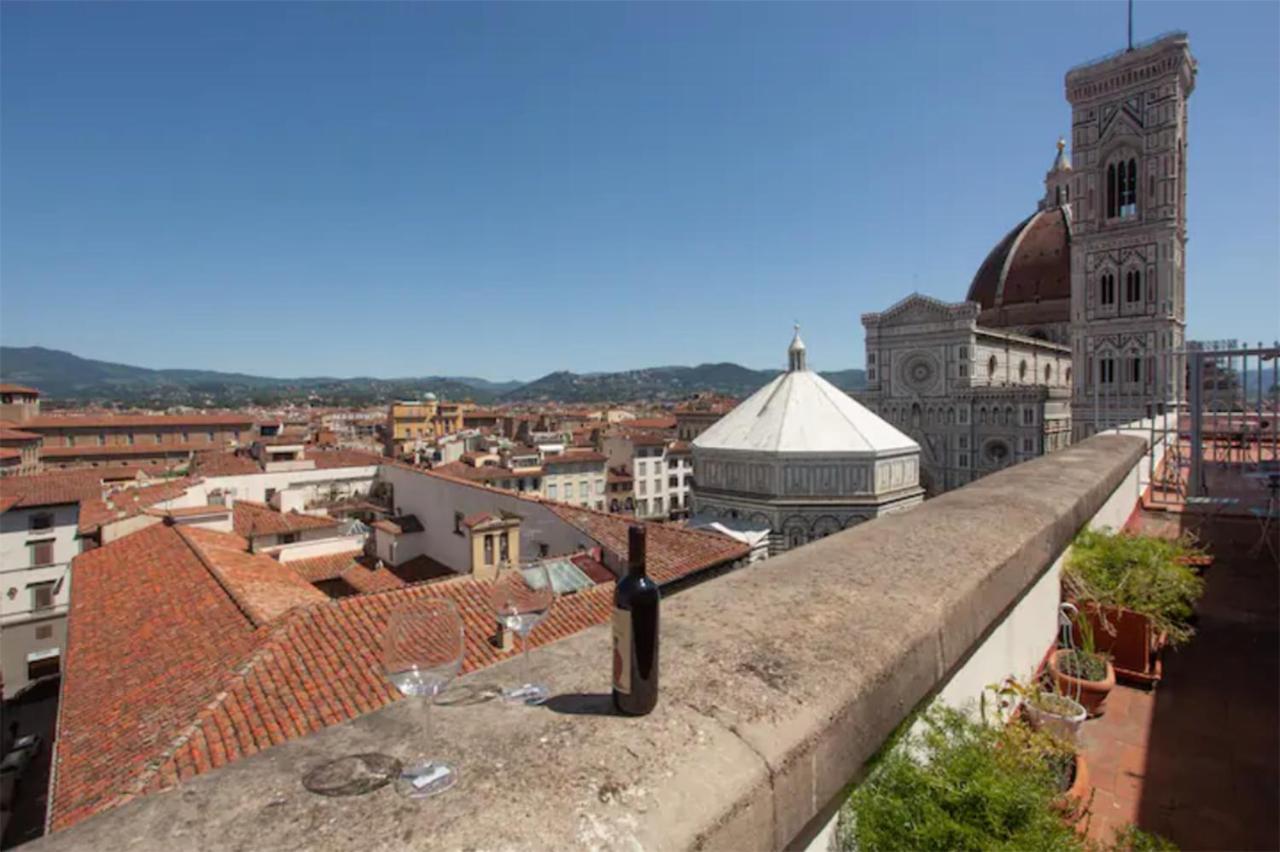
(799, 477)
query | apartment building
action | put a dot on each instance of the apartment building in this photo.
(410, 425)
(577, 478)
(99, 440)
(679, 460)
(38, 540)
(643, 453)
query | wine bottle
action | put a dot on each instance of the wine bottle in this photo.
(635, 633)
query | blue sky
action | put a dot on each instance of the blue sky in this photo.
(505, 190)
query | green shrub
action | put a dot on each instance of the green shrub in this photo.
(959, 784)
(1141, 573)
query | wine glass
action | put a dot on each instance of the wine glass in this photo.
(521, 597)
(422, 651)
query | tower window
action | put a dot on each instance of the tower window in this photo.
(1133, 286)
(1107, 289)
(1111, 191)
(991, 366)
(1106, 370)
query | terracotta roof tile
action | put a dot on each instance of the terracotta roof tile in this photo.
(10, 388)
(317, 569)
(250, 518)
(9, 434)
(222, 463)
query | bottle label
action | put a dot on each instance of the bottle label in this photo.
(622, 651)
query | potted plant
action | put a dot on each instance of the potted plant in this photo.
(1136, 592)
(955, 782)
(1043, 709)
(1082, 672)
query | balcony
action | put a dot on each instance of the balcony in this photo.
(779, 682)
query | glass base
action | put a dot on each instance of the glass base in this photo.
(420, 780)
(529, 693)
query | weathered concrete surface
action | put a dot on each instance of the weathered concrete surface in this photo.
(779, 682)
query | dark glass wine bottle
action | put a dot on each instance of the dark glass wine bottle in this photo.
(635, 634)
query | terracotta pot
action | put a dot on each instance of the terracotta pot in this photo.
(1128, 639)
(1074, 804)
(1092, 693)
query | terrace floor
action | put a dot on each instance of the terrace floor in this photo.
(1197, 760)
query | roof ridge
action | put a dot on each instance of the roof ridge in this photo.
(839, 406)
(185, 535)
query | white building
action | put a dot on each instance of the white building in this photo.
(575, 478)
(644, 454)
(38, 539)
(802, 459)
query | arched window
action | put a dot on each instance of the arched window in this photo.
(1022, 370)
(1067, 375)
(1107, 289)
(1129, 192)
(982, 416)
(991, 366)
(1111, 191)
(1048, 373)
(1133, 286)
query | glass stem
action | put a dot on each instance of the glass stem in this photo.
(524, 654)
(426, 731)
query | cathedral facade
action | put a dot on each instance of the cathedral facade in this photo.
(1075, 320)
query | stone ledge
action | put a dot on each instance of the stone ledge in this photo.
(779, 682)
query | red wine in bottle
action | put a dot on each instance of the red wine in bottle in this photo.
(635, 634)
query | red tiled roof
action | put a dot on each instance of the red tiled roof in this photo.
(7, 453)
(262, 588)
(317, 569)
(8, 388)
(482, 518)
(376, 579)
(191, 511)
(252, 519)
(127, 502)
(120, 421)
(51, 488)
(201, 687)
(329, 459)
(593, 569)
(671, 553)
(666, 422)
(491, 473)
(150, 637)
(8, 434)
(222, 463)
(574, 457)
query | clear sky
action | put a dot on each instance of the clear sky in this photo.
(504, 190)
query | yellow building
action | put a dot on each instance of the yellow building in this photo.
(408, 422)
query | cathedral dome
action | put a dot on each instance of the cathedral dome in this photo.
(1030, 267)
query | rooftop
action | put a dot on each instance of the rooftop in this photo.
(252, 519)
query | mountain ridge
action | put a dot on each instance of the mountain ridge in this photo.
(62, 375)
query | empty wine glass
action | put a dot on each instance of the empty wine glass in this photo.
(421, 653)
(521, 597)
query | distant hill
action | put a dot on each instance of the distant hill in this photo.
(660, 383)
(64, 376)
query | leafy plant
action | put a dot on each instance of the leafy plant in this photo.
(1141, 573)
(1084, 662)
(960, 784)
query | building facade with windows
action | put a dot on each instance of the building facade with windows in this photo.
(38, 540)
(1077, 316)
(975, 399)
(1129, 231)
(575, 478)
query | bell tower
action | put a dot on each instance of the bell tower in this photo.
(1128, 193)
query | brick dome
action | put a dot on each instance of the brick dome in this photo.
(1031, 266)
